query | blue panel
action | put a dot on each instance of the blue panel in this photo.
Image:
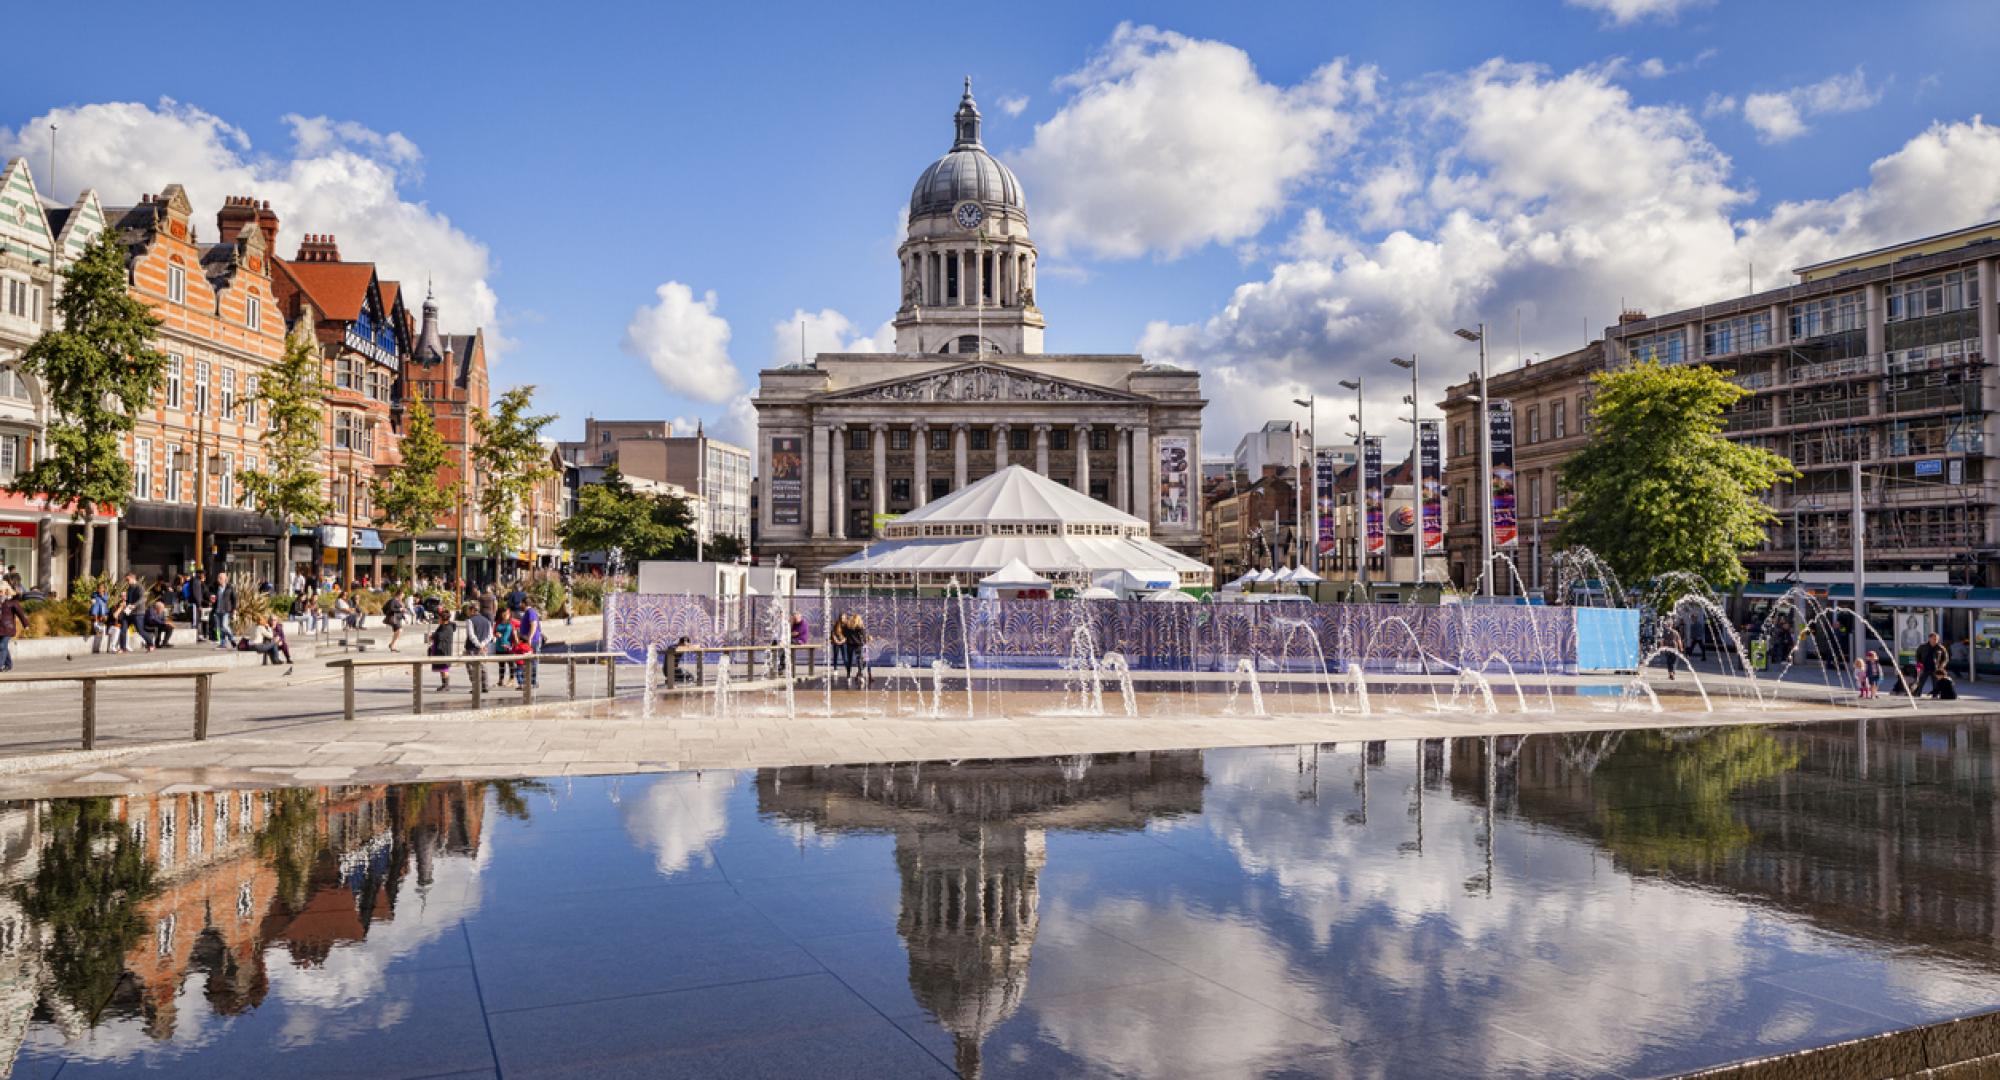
(1607, 639)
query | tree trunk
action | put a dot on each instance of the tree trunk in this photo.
(284, 570)
(89, 530)
(45, 555)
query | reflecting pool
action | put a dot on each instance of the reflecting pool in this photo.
(1619, 903)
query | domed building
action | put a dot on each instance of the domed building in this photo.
(847, 442)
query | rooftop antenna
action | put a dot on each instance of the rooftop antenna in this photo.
(802, 342)
(52, 160)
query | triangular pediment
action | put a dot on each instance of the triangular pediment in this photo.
(980, 382)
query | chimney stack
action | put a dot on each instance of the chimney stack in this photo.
(319, 248)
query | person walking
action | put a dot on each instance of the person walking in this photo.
(394, 614)
(1931, 659)
(531, 636)
(857, 649)
(444, 644)
(478, 642)
(225, 612)
(129, 610)
(1670, 644)
(13, 620)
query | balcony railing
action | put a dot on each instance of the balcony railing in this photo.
(1748, 421)
(1756, 380)
(1835, 369)
(1816, 412)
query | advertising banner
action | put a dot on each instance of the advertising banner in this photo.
(1175, 465)
(1500, 425)
(788, 479)
(1371, 479)
(1430, 484)
(1323, 471)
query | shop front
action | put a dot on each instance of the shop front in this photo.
(437, 558)
(36, 541)
(338, 564)
(161, 539)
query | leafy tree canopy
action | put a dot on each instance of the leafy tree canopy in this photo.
(512, 462)
(611, 517)
(1658, 489)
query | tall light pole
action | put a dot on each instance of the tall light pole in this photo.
(1310, 488)
(1485, 462)
(1416, 465)
(1360, 483)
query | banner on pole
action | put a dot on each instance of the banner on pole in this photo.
(1430, 484)
(1500, 427)
(1174, 466)
(788, 473)
(1323, 470)
(1371, 473)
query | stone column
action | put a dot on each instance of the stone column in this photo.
(1001, 433)
(1121, 484)
(878, 490)
(960, 438)
(1144, 502)
(840, 481)
(816, 450)
(920, 444)
(973, 256)
(1875, 308)
(1042, 449)
(1081, 437)
(113, 567)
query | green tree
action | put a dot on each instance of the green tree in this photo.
(287, 488)
(98, 370)
(88, 885)
(512, 463)
(724, 548)
(612, 518)
(412, 497)
(1667, 801)
(1658, 489)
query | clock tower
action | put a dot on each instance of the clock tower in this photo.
(968, 266)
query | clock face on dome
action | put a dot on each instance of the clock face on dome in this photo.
(969, 215)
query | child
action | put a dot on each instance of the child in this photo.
(1868, 673)
(443, 643)
(100, 619)
(504, 630)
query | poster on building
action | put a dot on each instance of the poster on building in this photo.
(1323, 471)
(1500, 428)
(1175, 460)
(1431, 483)
(1371, 479)
(788, 479)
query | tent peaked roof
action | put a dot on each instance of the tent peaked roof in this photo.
(1015, 575)
(1016, 493)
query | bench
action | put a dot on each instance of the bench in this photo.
(203, 679)
(749, 654)
(349, 665)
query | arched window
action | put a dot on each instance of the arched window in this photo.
(968, 343)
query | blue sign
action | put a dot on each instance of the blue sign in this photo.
(1930, 467)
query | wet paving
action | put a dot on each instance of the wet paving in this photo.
(1598, 904)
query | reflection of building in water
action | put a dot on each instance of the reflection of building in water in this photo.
(232, 874)
(969, 850)
(1780, 816)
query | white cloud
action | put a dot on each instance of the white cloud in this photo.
(1014, 104)
(825, 330)
(1718, 105)
(1167, 143)
(1782, 115)
(340, 177)
(686, 343)
(1626, 12)
(1557, 196)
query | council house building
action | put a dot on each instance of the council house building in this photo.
(848, 441)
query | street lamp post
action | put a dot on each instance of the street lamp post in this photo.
(1360, 483)
(1416, 467)
(1485, 421)
(1309, 488)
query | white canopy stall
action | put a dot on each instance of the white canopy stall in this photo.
(1056, 534)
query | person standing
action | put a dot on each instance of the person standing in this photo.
(13, 619)
(1930, 661)
(478, 642)
(197, 598)
(394, 612)
(100, 619)
(1670, 643)
(531, 636)
(133, 609)
(443, 644)
(225, 612)
(857, 649)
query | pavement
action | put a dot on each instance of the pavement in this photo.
(273, 727)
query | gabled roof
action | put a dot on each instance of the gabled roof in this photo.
(464, 348)
(1017, 494)
(986, 381)
(338, 290)
(390, 291)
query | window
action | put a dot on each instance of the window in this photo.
(940, 439)
(1100, 490)
(899, 439)
(859, 488)
(177, 285)
(1458, 505)
(174, 365)
(229, 393)
(12, 385)
(1558, 419)
(940, 487)
(253, 313)
(343, 431)
(17, 298)
(982, 439)
(249, 466)
(1100, 438)
(1736, 335)
(1583, 404)
(1827, 315)
(13, 455)
(899, 492)
(226, 482)
(1059, 439)
(857, 438)
(250, 391)
(176, 487)
(1457, 439)
(344, 374)
(142, 468)
(1017, 438)
(1534, 434)
(1667, 347)
(1933, 295)
(1534, 494)
(201, 386)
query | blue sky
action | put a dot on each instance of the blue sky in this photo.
(556, 168)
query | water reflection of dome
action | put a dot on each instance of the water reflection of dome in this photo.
(970, 850)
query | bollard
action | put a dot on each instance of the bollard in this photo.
(201, 707)
(611, 676)
(90, 714)
(477, 673)
(347, 689)
(571, 665)
(700, 666)
(417, 689)
(527, 681)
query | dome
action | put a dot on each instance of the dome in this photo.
(966, 172)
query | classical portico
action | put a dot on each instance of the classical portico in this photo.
(847, 440)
